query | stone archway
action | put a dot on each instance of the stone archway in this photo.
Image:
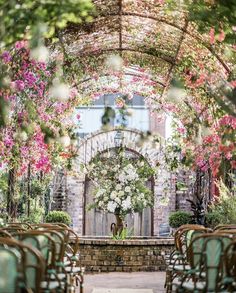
(133, 140)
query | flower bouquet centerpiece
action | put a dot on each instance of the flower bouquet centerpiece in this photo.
(121, 185)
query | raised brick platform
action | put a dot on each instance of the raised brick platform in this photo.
(106, 255)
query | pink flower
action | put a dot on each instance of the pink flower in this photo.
(211, 139)
(233, 164)
(120, 103)
(30, 78)
(73, 93)
(221, 36)
(181, 130)
(228, 155)
(6, 57)
(19, 85)
(130, 96)
(21, 44)
(233, 83)
(96, 96)
(43, 164)
(8, 142)
(228, 120)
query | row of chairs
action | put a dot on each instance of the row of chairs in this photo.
(39, 258)
(203, 260)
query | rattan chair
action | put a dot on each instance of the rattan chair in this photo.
(178, 261)
(206, 273)
(22, 267)
(43, 241)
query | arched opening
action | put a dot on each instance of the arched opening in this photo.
(96, 222)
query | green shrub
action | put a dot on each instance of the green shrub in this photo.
(222, 212)
(35, 217)
(212, 219)
(179, 218)
(58, 217)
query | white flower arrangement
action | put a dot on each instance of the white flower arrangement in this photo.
(121, 183)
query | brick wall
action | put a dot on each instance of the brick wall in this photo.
(106, 255)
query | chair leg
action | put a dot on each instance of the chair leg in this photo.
(168, 281)
(80, 282)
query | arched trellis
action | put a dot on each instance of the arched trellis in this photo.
(124, 27)
(113, 17)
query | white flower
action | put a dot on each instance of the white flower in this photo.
(127, 189)
(132, 176)
(118, 187)
(117, 200)
(100, 192)
(40, 54)
(100, 204)
(111, 206)
(60, 91)
(116, 168)
(113, 194)
(126, 204)
(122, 178)
(114, 62)
(141, 164)
(104, 172)
(64, 140)
(121, 193)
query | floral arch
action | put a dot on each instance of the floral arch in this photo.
(153, 44)
(141, 47)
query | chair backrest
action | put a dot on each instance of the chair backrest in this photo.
(73, 236)
(24, 225)
(230, 260)
(207, 253)
(60, 243)
(42, 242)
(13, 229)
(4, 233)
(27, 269)
(225, 227)
(231, 232)
(184, 237)
(34, 268)
(61, 237)
(44, 225)
(214, 248)
(12, 276)
(198, 245)
(181, 229)
(60, 225)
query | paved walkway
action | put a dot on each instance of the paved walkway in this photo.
(140, 280)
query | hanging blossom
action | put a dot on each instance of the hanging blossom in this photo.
(34, 125)
(216, 148)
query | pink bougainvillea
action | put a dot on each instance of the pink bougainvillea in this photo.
(33, 114)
